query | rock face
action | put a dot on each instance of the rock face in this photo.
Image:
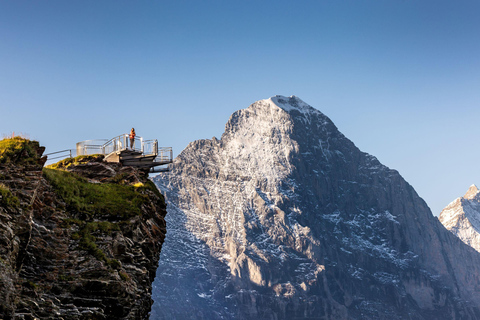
(284, 218)
(70, 245)
(462, 217)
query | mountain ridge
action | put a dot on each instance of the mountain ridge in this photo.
(293, 220)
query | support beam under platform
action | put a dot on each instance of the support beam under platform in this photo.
(138, 159)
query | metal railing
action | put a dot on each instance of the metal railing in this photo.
(164, 154)
(89, 147)
(60, 154)
(122, 142)
(117, 144)
(150, 147)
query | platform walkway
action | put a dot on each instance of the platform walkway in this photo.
(145, 154)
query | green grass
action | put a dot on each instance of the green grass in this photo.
(107, 199)
(7, 199)
(116, 202)
(88, 240)
(65, 163)
(11, 150)
(30, 284)
(64, 277)
(149, 185)
(86, 201)
(124, 276)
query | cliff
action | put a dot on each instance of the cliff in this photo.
(285, 218)
(80, 240)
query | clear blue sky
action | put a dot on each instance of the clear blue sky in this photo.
(399, 78)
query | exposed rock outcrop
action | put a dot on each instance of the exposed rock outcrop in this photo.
(78, 243)
(285, 218)
(462, 217)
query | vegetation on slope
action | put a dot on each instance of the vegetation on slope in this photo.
(98, 209)
(68, 162)
(86, 234)
(111, 200)
(18, 149)
(7, 199)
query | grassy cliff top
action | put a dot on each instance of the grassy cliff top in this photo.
(111, 200)
(95, 189)
(68, 162)
(18, 149)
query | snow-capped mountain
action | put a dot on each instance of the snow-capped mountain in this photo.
(285, 218)
(462, 217)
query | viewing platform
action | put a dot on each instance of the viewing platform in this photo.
(145, 154)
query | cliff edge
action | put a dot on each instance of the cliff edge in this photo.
(78, 240)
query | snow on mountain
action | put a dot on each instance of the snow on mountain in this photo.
(285, 218)
(462, 217)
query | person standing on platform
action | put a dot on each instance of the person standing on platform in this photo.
(132, 138)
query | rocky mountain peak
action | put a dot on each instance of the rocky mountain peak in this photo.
(462, 217)
(292, 103)
(284, 217)
(472, 192)
(278, 113)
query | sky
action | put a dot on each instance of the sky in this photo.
(399, 78)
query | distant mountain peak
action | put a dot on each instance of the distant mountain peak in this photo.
(472, 192)
(462, 217)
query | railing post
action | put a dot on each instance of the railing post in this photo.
(141, 143)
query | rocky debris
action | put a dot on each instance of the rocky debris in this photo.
(462, 217)
(285, 218)
(61, 258)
